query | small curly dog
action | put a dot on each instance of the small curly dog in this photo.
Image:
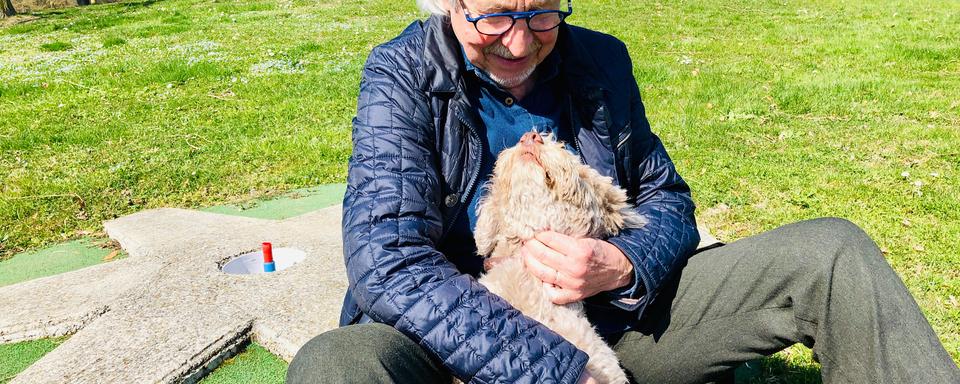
(539, 185)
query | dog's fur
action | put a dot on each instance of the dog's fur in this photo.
(545, 187)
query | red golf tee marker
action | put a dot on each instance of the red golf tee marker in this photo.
(267, 252)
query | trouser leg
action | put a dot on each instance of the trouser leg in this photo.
(822, 283)
(367, 353)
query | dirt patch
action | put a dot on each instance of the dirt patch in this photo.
(25, 6)
(16, 19)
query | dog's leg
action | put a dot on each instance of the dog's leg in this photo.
(571, 323)
(510, 280)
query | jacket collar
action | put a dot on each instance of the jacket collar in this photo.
(444, 61)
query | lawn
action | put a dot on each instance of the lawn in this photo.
(773, 111)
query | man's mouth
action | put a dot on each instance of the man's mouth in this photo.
(501, 55)
(517, 62)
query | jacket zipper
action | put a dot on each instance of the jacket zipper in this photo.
(473, 179)
(573, 132)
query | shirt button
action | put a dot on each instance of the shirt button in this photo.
(508, 101)
(451, 200)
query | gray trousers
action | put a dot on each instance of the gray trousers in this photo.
(823, 283)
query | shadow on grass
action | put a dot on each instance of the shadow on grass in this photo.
(777, 370)
(138, 4)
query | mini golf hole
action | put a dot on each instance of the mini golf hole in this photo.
(251, 263)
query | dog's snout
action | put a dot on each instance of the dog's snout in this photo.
(531, 138)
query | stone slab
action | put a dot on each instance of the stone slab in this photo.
(62, 304)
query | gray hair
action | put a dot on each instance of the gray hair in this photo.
(435, 6)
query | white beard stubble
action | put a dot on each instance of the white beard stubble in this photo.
(502, 51)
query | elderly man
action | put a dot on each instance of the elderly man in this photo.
(437, 104)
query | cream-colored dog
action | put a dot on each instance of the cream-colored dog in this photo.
(538, 185)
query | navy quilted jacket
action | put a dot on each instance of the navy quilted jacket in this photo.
(416, 156)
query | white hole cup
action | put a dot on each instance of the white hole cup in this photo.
(251, 263)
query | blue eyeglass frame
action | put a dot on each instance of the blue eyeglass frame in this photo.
(517, 15)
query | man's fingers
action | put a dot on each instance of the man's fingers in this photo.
(559, 295)
(557, 241)
(542, 271)
(548, 256)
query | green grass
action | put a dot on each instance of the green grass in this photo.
(113, 41)
(254, 365)
(794, 365)
(56, 46)
(16, 357)
(773, 111)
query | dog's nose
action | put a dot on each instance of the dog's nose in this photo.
(531, 138)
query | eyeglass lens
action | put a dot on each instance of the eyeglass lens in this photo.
(495, 25)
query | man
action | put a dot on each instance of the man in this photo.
(438, 103)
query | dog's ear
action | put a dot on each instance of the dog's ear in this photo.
(617, 210)
(488, 219)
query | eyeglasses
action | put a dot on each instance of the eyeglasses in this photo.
(496, 24)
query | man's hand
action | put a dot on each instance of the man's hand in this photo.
(573, 269)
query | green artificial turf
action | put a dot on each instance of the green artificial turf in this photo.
(18, 356)
(254, 365)
(53, 260)
(294, 203)
(774, 112)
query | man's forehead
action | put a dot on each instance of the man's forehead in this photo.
(513, 4)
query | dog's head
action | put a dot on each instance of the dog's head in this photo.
(539, 172)
(538, 162)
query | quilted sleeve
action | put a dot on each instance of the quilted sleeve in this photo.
(391, 224)
(660, 249)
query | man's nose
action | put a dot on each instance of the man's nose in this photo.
(518, 39)
(530, 138)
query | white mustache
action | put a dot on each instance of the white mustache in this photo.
(502, 51)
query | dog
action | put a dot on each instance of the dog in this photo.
(539, 185)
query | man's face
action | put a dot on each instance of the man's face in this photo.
(510, 59)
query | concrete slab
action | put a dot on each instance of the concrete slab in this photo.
(167, 313)
(63, 304)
